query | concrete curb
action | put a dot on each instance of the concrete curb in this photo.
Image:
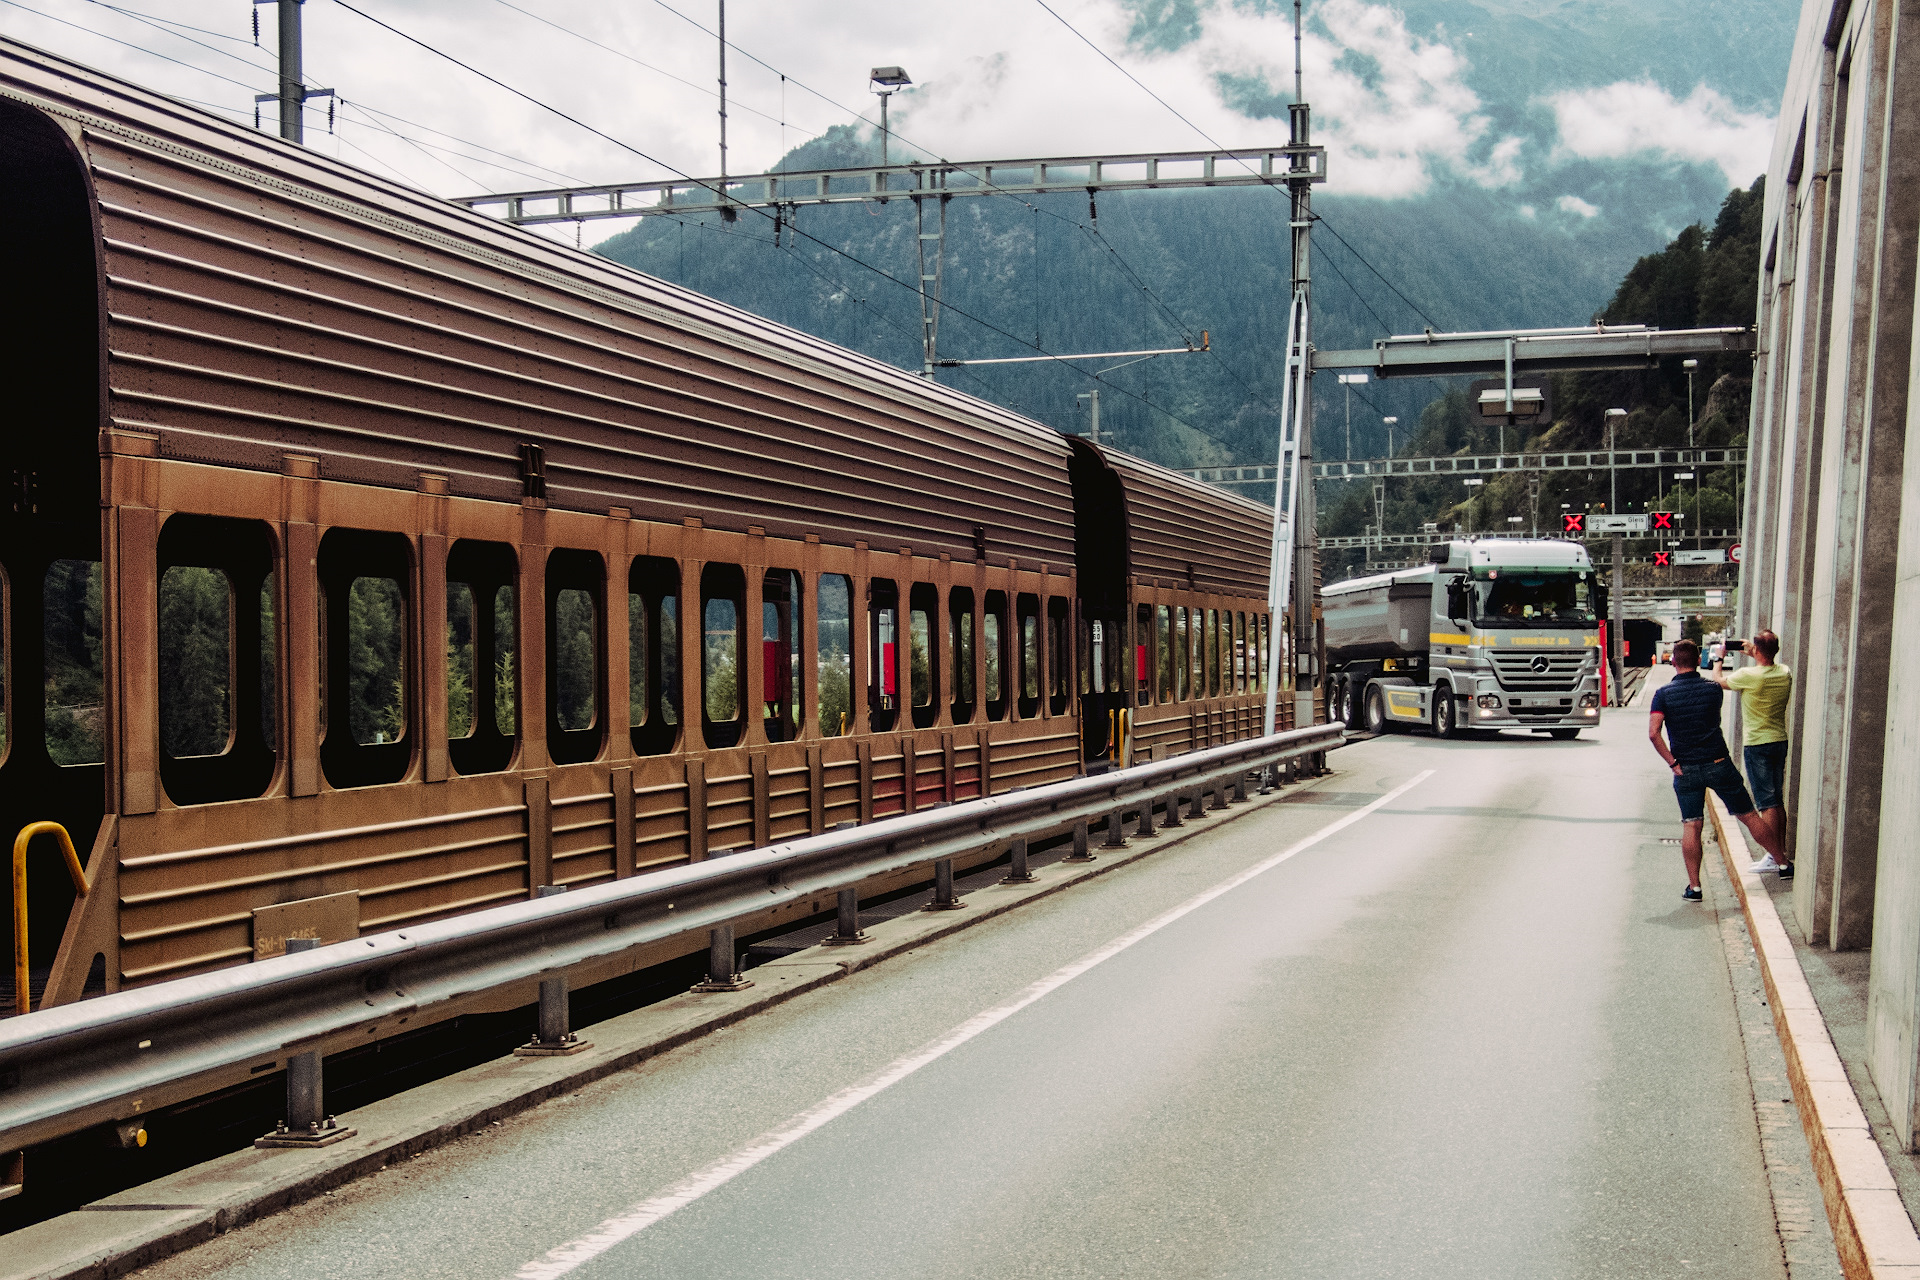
(1871, 1230)
(145, 1224)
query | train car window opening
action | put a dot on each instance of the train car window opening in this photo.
(1182, 664)
(994, 653)
(1260, 671)
(196, 661)
(780, 691)
(653, 655)
(1093, 672)
(723, 591)
(1060, 654)
(218, 658)
(961, 646)
(576, 660)
(1162, 653)
(883, 625)
(1213, 653)
(923, 606)
(366, 657)
(75, 678)
(377, 659)
(483, 718)
(462, 675)
(1027, 611)
(1240, 651)
(1143, 655)
(833, 661)
(1116, 654)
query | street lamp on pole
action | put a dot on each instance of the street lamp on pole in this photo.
(1614, 417)
(891, 80)
(1391, 424)
(1350, 381)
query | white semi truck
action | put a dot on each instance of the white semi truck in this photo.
(1492, 633)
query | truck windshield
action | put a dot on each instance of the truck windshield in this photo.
(1535, 600)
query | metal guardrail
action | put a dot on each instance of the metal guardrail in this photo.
(70, 1068)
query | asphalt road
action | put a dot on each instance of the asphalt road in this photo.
(1474, 1032)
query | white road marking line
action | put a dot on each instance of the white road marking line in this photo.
(565, 1258)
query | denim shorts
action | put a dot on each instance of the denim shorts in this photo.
(1766, 773)
(1693, 782)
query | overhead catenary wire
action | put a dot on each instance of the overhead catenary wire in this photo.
(834, 249)
(1275, 183)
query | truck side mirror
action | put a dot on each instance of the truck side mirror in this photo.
(1457, 599)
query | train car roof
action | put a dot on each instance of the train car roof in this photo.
(262, 299)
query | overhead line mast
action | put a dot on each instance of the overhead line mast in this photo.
(1292, 564)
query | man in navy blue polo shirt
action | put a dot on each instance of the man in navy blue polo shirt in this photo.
(1687, 708)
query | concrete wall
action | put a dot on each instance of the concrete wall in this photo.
(1833, 550)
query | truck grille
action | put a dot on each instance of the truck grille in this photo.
(1517, 671)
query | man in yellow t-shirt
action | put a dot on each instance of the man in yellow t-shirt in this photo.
(1764, 690)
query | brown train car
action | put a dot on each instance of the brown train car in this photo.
(325, 500)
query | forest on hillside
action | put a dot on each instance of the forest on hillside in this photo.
(1706, 276)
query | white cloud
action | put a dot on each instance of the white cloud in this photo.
(996, 78)
(1631, 117)
(1575, 205)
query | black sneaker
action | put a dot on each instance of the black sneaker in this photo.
(1786, 872)
(1691, 894)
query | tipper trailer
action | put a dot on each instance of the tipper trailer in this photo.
(1492, 633)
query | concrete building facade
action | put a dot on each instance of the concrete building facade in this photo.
(1832, 508)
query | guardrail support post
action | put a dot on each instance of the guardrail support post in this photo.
(1199, 809)
(1145, 829)
(1239, 795)
(307, 1123)
(1017, 871)
(1080, 851)
(723, 967)
(1172, 818)
(943, 899)
(1266, 780)
(1116, 830)
(1219, 793)
(846, 932)
(553, 1029)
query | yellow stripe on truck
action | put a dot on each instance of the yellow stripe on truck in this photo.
(1448, 637)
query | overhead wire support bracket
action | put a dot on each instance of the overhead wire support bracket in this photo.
(1160, 170)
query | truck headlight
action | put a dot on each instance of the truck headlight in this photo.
(1589, 700)
(1488, 701)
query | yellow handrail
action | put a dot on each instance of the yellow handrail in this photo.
(22, 997)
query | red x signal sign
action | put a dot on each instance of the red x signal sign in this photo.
(1663, 519)
(1663, 559)
(1573, 522)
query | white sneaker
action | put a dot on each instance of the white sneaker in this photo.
(1765, 864)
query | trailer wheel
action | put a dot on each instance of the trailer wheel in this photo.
(1444, 712)
(1350, 702)
(1376, 710)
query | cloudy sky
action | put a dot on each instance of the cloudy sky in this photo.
(996, 78)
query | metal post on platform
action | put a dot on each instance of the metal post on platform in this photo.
(1017, 870)
(943, 897)
(1613, 627)
(1199, 809)
(1080, 841)
(723, 966)
(1145, 830)
(307, 1123)
(553, 1032)
(1172, 818)
(847, 931)
(1239, 789)
(1116, 830)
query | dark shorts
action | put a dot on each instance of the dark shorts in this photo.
(1693, 782)
(1767, 773)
